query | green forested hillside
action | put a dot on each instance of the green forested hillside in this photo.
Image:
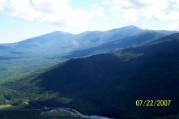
(108, 84)
(20, 59)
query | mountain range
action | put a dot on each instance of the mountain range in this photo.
(61, 43)
(95, 72)
(56, 47)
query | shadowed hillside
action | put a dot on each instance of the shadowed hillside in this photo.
(109, 84)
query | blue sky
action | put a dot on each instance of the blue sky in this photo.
(22, 19)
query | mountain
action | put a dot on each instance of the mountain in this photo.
(58, 44)
(50, 43)
(132, 41)
(30, 55)
(2, 47)
(22, 58)
(141, 65)
(95, 38)
(65, 42)
(109, 84)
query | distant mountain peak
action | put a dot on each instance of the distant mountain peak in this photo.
(127, 28)
(131, 26)
(57, 33)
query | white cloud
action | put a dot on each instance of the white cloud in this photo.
(100, 13)
(106, 2)
(47, 11)
(1, 4)
(173, 26)
(174, 15)
(60, 12)
(132, 10)
(94, 6)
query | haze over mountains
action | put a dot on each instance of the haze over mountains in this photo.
(61, 43)
(54, 47)
(95, 72)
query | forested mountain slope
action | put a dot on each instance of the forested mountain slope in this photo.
(109, 84)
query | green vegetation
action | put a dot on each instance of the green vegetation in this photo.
(5, 106)
(106, 84)
(109, 84)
